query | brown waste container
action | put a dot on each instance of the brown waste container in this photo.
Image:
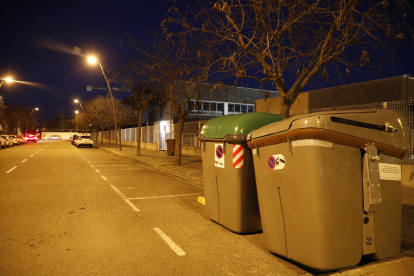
(329, 185)
(170, 147)
(228, 172)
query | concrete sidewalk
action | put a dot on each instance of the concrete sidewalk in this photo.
(191, 170)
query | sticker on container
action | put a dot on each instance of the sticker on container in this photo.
(219, 157)
(276, 162)
(390, 171)
(238, 156)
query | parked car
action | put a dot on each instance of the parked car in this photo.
(2, 142)
(31, 138)
(73, 139)
(14, 139)
(84, 140)
(21, 139)
(54, 137)
(9, 142)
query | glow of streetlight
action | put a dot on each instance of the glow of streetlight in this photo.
(76, 111)
(8, 79)
(92, 60)
(36, 108)
(76, 101)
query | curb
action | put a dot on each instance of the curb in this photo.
(201, 200)
(159, 168)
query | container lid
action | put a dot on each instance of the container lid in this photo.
(349, 127)
(240, 124)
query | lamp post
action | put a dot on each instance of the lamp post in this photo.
(76, 120)
(77, 101)
(31, 114)
(93, 60)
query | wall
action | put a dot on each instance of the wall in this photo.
(63, 135)
(273, 105)
(383, 90)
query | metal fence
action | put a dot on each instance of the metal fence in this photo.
(154, 134)
(405, 106)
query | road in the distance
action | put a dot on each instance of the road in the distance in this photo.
(70, 211)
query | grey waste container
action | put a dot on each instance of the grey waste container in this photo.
(329, 185)
(228, 172)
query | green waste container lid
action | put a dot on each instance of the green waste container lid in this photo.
(240, 124)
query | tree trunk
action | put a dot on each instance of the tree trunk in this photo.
(102, 131)
(177, 149)
(139, 132)
(109, 143)
(285, 108)
(119, 132)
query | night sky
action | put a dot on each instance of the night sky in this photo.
(37, 41)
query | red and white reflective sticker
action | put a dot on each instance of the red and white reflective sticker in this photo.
(238, 156)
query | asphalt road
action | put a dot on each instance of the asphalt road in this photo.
(70, 211)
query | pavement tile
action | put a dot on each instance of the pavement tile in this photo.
(406, 221)
(408, 212)
(407, 192)
(408, 201)
(403, 266)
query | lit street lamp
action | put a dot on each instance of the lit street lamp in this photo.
(76, 101)
(6, 79)
(76, 120)
(31, 114)
(93, 60)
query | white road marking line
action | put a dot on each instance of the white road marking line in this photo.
(170, 242)
(112, 165)
(37, 151)
(24, 160)
(11, 169)
(97, 171)
(88, 162)
(132, 205)
(114, 161)
(31, 155)
(152, 197)
(103, 177)
(92, 166)
(118, 192)
(125, 198)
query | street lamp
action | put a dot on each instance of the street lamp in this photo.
(93, 60)
(76, 120)
(76, 101)
(6, 79)
(31, 114)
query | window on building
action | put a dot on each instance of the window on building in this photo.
(190, 105)
(237, 108)
(198, 107)
(231, 107)
(243, 108)
(250, 108)
(206, 107)
(220, 108)
(213, 107)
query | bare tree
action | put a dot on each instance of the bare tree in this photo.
(101, 113)
(288, 43)
(181, 64)
(123, 111)
(138, 76)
